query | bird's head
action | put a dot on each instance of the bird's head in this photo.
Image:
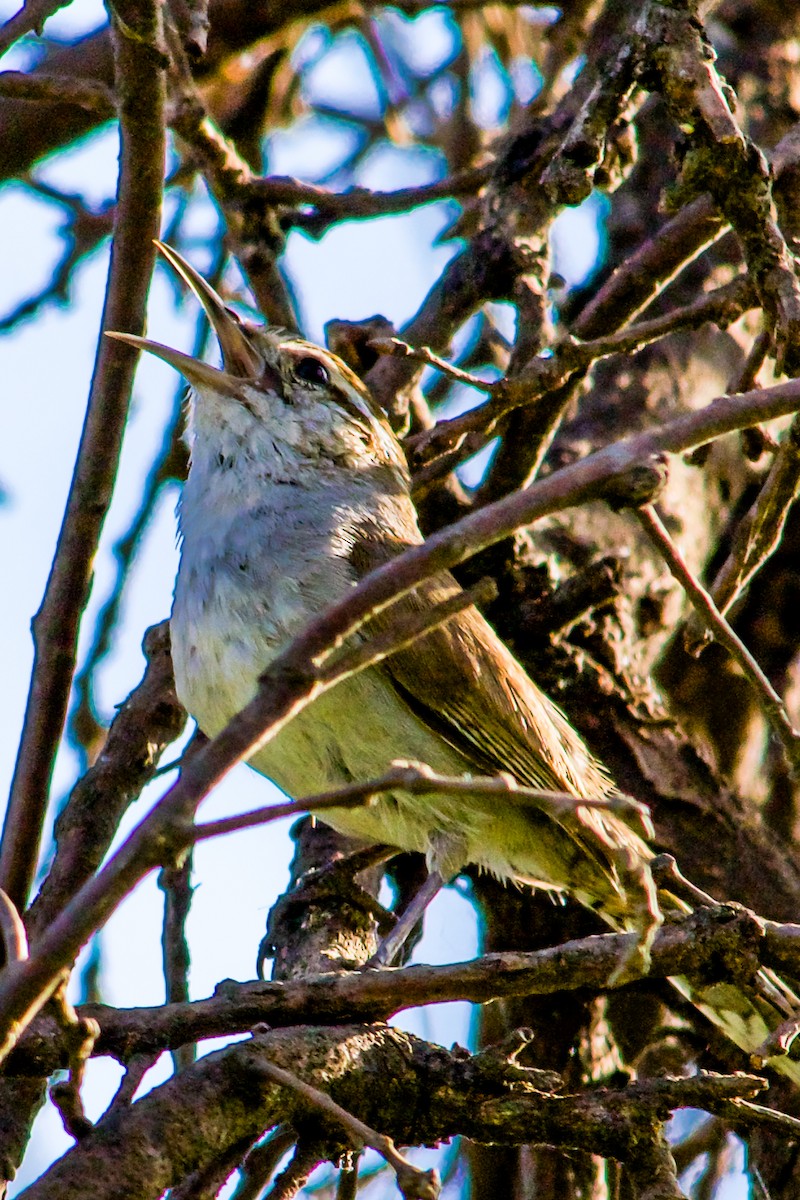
(275, 392)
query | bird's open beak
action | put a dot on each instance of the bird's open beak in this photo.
(240, 359)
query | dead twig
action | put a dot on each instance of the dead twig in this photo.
(414, 1183)
(419, 780)
(773, 706)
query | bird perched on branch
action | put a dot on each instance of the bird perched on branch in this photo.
(297, 489)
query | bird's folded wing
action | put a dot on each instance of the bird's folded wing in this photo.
(463, 681)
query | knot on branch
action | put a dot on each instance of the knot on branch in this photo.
(640, 484)
(352, 341)
(324, 898)
(728, 938)
(494, 265)
(261, 238)
(496, 1067)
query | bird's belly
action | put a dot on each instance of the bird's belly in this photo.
(353, 732)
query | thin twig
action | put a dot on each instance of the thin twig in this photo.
(293, 1178)
(759, 1114)
(136, 1067)
(255, 236)
(548, 374)
(584, 963)
(759, 531)
(668, 874)
(362, 202)
(771, 702)
(419, 780)
(176, 883)
(399, 349)
(83, 228)
(645, 273)
(352, 795)
(334, 663)
(90, 95)
(257, 1168)
(414, 1183)
(30, 19)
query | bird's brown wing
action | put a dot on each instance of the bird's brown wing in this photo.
(464, 682)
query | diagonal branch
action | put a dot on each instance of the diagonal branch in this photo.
(758, 533)
(225, 1099)
(147, 722)
(414, 1183)
(30, 19)
(774, 708)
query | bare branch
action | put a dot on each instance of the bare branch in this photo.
(724, 162)
(90, 95)
(548, 374)
(255, 235)
(418, 779)
(176, 883)
(146, 723)
(700, 946)
(759, 532)
(358, 203)
(260, 1163)
(638, 280)
(293, 1178)
(30, 19)
(773, 706)
(224, 1098)
(412, 1182)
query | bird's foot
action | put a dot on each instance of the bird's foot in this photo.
(394, 941)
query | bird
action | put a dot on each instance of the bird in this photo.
(297, 488)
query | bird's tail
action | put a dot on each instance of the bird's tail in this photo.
(632, 900)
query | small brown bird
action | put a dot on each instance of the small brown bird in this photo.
(297, 489)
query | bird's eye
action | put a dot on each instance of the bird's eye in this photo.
(311, 370)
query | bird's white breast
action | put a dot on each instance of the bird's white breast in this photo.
(254, 570)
